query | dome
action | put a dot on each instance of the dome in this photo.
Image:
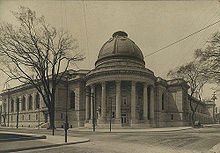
(120, 46)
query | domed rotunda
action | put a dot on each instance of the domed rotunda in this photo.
(123, 89)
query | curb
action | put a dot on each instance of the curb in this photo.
(43, 147)
(131, 131)
(26, 136)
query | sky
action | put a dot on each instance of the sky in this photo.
(150, 24)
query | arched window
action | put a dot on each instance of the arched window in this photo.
(37, 101)
(23, 103)
(12, 105)
(162, 101)
(72, 99)
(30, 103)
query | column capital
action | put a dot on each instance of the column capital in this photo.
(92, 88)
(87, 88)
(117, 81)
(145, 84)
(103, 84)
(133, 83)
(34, 92)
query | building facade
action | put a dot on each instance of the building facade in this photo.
(120, 89)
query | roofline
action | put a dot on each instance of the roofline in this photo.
(28, 86)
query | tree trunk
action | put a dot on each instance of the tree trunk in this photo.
(193, 118)
(51, 120)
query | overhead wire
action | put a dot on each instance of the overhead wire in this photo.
(216, 14)
(184, 38)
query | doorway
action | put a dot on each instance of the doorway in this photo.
(124, 119)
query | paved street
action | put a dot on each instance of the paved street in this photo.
(190, 140)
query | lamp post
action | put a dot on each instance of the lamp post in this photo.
(66, 125)
(93, 112)
(110, 121)
(38, 118)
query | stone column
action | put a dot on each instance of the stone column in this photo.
(20, 103)
(152, 104)
(92, 101)
(118, 100)
(87, 102)
(103, 105)
(145, 101)
(133, 101)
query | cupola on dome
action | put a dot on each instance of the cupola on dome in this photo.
(120, 46)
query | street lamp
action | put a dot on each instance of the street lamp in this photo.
(66, 124)
(38, 118)
(110, 121)
(93, 111)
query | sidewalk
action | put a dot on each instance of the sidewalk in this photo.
(131, 130)
(215, 149)
(43, 141)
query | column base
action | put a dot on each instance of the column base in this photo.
(117, 121)
(134, 121)
(101, 121)
(91, 121)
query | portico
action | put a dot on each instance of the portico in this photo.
(128, 102)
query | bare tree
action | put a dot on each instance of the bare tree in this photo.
(209, 58)
(195, 78)
(37, 54)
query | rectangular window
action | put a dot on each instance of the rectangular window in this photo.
(36, 116)
(12, 106)
(11, 117)
(124, 100)
(29, 117)
(61, 115)
(162, 99)
(72, 100)
(171, 117)
(113, 114)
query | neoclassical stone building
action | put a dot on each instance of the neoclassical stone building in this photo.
(120, 88)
